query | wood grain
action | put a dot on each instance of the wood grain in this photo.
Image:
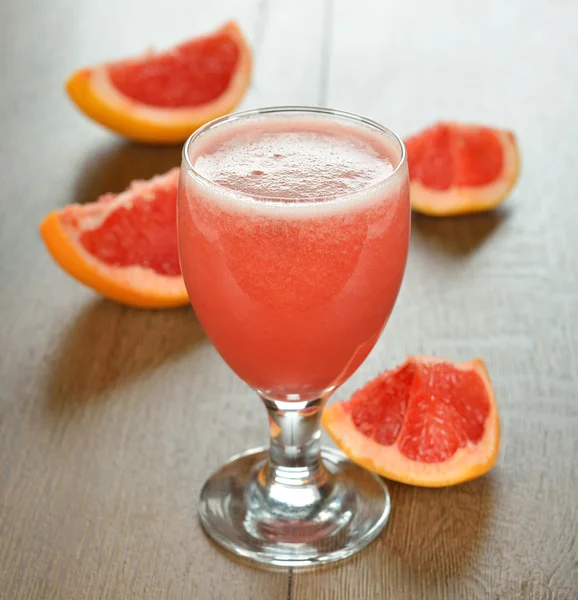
(111, 419)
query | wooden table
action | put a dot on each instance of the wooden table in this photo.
(111, 418)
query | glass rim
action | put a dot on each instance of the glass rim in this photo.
(349, 116)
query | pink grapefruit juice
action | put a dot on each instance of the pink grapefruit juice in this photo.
(293, 234)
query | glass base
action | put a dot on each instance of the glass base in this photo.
(291, 524)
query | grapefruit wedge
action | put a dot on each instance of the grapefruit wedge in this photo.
(456, 169)
(123, 246)
(429, 423)
(163, 97)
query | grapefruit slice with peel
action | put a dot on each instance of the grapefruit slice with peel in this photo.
(163, 97)
(123, 246)
(429, 423)
(456, 169)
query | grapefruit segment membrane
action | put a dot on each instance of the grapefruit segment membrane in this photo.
(123, 246)
(429, 422)
(456, 168)
(162, 97)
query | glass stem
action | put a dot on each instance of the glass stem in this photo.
(295, 450)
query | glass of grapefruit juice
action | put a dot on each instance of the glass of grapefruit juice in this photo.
(293, 229)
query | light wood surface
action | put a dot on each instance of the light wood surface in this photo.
(111, 418)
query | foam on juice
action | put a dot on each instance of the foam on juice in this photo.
(294, 161)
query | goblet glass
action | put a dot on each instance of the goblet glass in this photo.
(293, 283)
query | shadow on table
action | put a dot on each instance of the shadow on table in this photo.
(432, 537)
(114, 166)
(431, 541)
(436, 532)
(108, 345)
(456, 236)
